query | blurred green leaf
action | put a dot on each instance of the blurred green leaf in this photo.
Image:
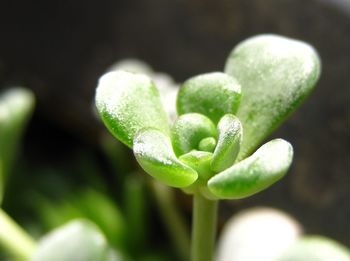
(276, 74)
(257, 172)
(16, 106)
(154, 153)
(230, 139)
(188, 130)
(136, 206)
(105, 213)
(88, 204)
(78, 240)
(212, 94)
(316, 248)
(129, 102)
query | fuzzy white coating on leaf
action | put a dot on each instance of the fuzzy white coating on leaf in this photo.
(255, 173)
(276, 73)
(154, 153)
(166, 85)
(129, 102)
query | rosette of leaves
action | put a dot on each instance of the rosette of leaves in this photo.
(222, 118)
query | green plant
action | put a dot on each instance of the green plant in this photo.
(223, 117)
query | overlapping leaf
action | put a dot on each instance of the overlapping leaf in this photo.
(230, 139)
(257, 172)
(276, 74)
(188, 131)
(212, 94)
(154, 153)
(129, 102)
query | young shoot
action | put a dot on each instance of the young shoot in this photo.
(211, 150)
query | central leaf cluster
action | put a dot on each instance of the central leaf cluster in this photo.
(198, 152)
(205, 150)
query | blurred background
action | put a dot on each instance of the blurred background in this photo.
(59, 49)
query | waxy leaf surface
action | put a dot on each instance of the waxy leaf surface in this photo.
(200, 162)
(229, 141)
(77, 240)
(207, 144)
(129, 102)
(188, 130)
(276, 74)
(155, 155)
(212, 94)
(255, 173)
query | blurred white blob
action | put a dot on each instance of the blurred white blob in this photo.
(316, 248)
(132, 65)
(165, 83)
(258, 234)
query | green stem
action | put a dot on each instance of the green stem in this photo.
(203, 228)
(14, 239)
(172, 219)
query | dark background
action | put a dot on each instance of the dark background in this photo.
(60, 48)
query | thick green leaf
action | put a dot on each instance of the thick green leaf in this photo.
(77, 240)
(154, 153)
(316, 248)
(129, 102)
(276, 74)
(188, 130)
(207, 144)
(212, 94)
(200, 162)
(230, 139)
(16, 106)
(257, 172)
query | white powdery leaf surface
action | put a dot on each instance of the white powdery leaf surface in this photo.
(274, 156)
(153, 151)
(129, 102)
(155, 148)
(166, 85)
(275, 73)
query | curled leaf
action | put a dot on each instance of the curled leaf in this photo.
(255, 173)
(276, 74)
(229, 141)
(212, 94)
(200, 162)
(207, 144)
(155, 155)
(129, 102)
(189, 129)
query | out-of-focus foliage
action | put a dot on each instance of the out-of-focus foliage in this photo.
(16, 106)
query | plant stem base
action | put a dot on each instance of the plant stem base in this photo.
(203, 228)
